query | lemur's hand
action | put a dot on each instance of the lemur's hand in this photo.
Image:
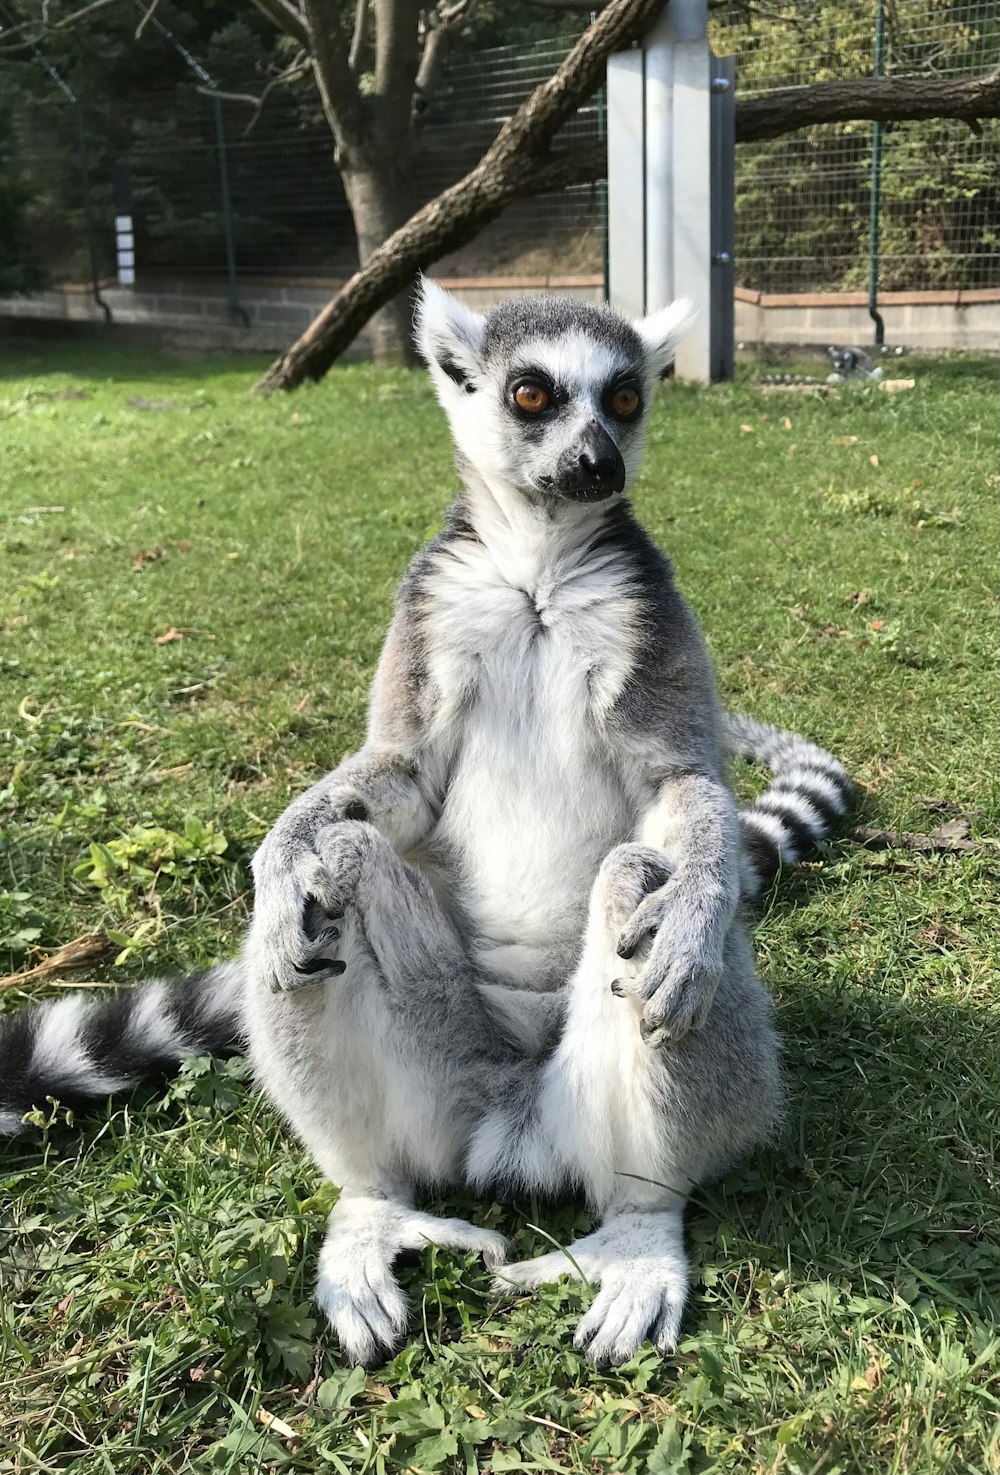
(300, 915)
(673, 942)
(298, 902)
(300, 892)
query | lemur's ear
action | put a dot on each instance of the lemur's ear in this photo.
(449, 335)
(662, 330)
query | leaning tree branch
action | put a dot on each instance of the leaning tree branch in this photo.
(358, 36)
(300, 66)
(336, 83)
(287, 17)
(506, 172)
(437, 32)
(25, 34)
(772, 115)
(585, 6)
(872, 99)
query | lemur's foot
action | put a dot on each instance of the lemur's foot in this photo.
(638, 1261)
(357, 1289)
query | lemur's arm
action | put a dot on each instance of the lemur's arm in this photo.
(674, 941)
(386, 783)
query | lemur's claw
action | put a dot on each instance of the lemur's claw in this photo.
(326, 966)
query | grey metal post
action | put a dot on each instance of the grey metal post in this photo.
(722, 324)
(227, 209)
(626, 90)
(876, 193)
(671, 141)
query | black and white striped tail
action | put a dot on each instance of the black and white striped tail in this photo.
(809, 793)
(81, 1048)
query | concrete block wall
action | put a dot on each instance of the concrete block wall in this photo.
(198, 313)
(928, 320)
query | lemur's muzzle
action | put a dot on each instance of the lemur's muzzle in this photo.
(593, 469)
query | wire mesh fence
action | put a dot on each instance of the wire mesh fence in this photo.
(802, 202)
(289, 212)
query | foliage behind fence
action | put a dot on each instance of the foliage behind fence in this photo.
(803, 201)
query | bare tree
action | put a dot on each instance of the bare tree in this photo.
(375, 64)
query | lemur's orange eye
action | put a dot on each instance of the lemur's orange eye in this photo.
(532, 398)
(624, 402)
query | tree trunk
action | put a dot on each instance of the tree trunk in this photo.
(788, 109)
(380, 203)
(878, 99)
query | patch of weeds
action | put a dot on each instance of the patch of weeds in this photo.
(148, 856)
(21, 926)
(204, 1084)
(887, 501)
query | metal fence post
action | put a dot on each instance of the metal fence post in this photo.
(722, 323)
(876, 191)
(81, 143)
(88, 214)
(227, 209)
(212, 89)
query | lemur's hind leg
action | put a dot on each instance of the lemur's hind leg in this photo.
(635, 1126)
(381, 1068)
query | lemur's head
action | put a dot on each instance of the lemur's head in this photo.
(547, 395)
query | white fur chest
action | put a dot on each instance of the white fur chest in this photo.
(527, 673)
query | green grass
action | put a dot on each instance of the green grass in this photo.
(157, 1265)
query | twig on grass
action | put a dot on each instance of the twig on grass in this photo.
(89, 948)
(953, 836)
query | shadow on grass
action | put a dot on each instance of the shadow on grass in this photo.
(887, 1166)
(117, 357)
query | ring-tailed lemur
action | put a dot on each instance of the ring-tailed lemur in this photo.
(501, 945)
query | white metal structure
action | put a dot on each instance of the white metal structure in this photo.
(670, 189)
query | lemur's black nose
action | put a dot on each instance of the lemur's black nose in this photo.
(592, 469)
(601, 466)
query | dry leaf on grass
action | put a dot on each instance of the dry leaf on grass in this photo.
(144, 556)
(174, 633)
(80, 953)
(277, 1426)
